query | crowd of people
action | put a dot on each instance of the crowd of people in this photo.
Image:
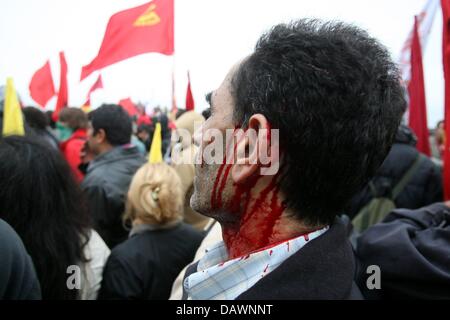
(85, 215)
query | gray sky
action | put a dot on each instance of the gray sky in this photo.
(210, 36)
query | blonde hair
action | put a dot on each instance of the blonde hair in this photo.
(155, 195)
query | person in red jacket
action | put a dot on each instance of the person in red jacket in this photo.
(72, 132)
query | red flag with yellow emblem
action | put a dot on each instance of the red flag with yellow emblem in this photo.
(147, 28)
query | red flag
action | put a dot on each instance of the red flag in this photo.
(63, 95)
(129, 106)
(147, 28)
(190, 105)
(97, 85)
(446, 57)
(41, 85)
(417, 101)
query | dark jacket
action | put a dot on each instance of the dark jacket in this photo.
(423, 189)
(323, 269)
(18, 280)
(146, 265)
(412, 249)
(106, 185)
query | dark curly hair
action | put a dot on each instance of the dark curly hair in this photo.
(335, 95)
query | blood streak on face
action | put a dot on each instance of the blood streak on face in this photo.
(216, 196)
(257, 221)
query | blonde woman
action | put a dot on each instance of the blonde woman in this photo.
(160, 244)
(182, 161)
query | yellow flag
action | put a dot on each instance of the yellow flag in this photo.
(155, 155)
(12, 114)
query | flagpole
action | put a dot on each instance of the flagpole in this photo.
(174, 108)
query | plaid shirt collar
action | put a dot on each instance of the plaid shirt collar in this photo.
(219, 280)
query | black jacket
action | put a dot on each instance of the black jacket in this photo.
(146, 265)
(412, 249)
(423, 189)
(106, 185)
(18, 280)
(323, 269)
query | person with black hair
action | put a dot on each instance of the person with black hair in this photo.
(18, 280)
(40, 199)
(332, 95)
(39, 123)
(110, 172)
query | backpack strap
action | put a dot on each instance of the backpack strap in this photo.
(407, 176)
(364, 220)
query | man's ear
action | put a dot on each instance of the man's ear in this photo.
(248, 149)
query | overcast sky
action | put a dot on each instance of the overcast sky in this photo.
(210, 36)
